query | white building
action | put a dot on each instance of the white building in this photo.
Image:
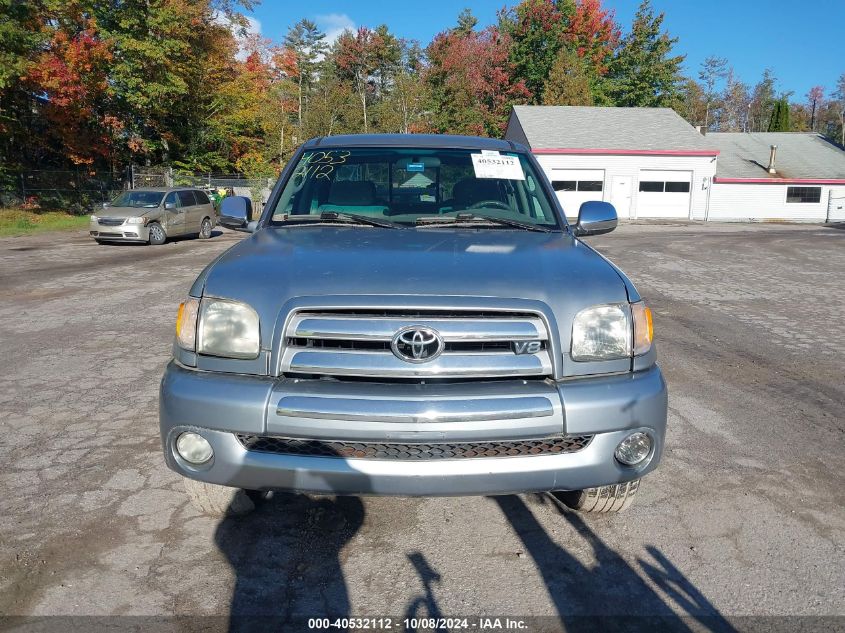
(650, 163)
(647, 162)
(786, 176)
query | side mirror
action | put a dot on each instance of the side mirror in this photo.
(236, 213)
(169, 205)
(594, 218)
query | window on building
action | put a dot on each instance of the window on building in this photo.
(578, 185)
(658, 186)
(677, 187)
(806, 195)
(590, 185)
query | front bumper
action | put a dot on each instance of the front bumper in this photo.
(120, 233)
(218, 405)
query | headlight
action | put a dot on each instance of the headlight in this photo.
(601, 333)
(186, 324)
(228, 328)
(140, 220)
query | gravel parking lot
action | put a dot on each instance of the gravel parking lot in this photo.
(746, 516)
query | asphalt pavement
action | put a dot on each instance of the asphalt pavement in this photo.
(745, 517)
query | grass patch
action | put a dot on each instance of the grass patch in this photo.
(19, 222)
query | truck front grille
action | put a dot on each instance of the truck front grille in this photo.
(382, 450)
(357, 343)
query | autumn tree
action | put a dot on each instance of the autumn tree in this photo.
(568, 82)
(594, 34)
(713, 71)
(815, 102)
(472, 82)
(71, 74)
(644, 72)
(356, 57)
(22, 38)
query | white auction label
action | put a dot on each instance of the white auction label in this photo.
(498, 166)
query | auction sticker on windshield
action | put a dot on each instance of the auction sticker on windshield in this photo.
(494, 165)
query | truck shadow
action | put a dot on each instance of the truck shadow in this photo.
(286, 558)
(609, 594)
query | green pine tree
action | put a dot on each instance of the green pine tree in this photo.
(537, 30)
(780, 116)
(643, 72)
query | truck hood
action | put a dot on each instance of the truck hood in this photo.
(276, 265)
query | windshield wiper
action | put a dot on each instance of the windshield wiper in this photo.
(348, 218)
(474, 218)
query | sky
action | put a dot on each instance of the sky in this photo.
(802, 43)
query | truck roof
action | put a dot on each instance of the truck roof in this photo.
(414, 140)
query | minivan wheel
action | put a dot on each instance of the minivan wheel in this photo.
(613, 498)
(218, 501)
(157, 234)
(205, 229)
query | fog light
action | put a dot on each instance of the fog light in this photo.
(194, 448)
(633, 449)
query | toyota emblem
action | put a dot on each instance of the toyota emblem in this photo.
(417, 344)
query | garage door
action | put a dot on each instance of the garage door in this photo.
(576, 186)
(664, 194)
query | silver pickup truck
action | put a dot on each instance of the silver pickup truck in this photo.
(413, 315)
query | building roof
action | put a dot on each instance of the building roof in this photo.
(800, 156)
(587, 129)
(431, 141)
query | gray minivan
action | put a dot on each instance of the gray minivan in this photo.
(153, 215)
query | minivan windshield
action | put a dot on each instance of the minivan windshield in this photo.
(416, 186)
(146, 199)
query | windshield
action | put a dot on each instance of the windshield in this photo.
(147, 199)
(405, 185)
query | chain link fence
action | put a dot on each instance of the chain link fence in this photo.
(81, 190)
(75, 191)
(257, 189)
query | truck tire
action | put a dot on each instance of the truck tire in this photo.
(613, 498)
(218, 501)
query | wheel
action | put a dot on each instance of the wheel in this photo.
(218, 501)
(157, 234)
(205, 229)
(613, 498)
(99, 241)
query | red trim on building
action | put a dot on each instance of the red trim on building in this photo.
(630, 152)
(779, 181)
